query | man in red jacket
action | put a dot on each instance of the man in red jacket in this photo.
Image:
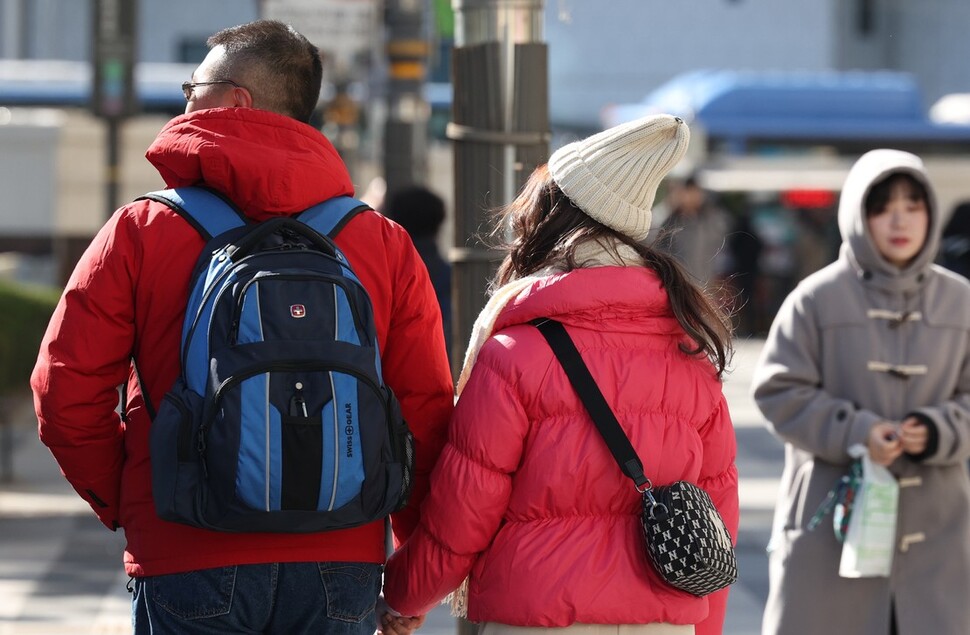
(244, 135)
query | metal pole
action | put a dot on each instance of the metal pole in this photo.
(406, 127)
(13, 28)
(113, 95)
(6, 441)
(500, 130)
(112, 167)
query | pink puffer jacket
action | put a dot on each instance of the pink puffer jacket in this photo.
(526, 496)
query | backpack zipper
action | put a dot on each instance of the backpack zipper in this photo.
(241, 298)
(217, 284)
(262, 369)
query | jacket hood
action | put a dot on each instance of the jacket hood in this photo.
(618, 299)
(857, 244)
(267, 164)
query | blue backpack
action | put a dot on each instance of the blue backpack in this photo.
(280, 420)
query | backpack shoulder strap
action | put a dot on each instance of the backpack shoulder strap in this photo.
(207, 211)
(333, 214)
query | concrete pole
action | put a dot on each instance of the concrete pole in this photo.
(13, 29)
(500, 130)
(406, 127)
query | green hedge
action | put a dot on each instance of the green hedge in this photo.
(24, 314)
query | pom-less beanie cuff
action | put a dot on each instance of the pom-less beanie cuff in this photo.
(613, 176)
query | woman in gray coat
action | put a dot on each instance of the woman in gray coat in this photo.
(873, 350)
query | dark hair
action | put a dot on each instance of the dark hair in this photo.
(546, 227)
(959, 223)
(879, 194)
(280, 68)
(417, 209)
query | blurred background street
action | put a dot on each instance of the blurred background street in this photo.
(464, 97)
(61, 572)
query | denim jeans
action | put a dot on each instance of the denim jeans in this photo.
(291, 597)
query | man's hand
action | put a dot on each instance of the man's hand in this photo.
(884, 444)
(913, 435)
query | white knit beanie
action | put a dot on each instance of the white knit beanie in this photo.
(613, 176)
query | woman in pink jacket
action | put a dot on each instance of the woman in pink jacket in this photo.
(526, 500)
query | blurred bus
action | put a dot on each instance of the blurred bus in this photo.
(61, 83)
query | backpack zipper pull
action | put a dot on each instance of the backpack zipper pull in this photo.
(297, 402)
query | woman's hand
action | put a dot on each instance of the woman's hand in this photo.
(913, 435)
(884, 443)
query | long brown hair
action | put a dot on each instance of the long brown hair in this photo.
(546, 227)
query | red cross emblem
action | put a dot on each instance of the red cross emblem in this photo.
(297, 310)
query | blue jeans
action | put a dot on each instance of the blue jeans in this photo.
(291, 597)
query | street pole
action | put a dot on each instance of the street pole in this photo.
(113, 95)
(406, 127)
(500, 130)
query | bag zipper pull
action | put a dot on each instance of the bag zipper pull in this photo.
(298, 403)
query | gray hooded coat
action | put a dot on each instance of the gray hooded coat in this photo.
(859, 342)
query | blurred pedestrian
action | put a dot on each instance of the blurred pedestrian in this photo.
(245, 135)
(695, 232)
(955, 246)
(745, 246)
(527, 500)
(421, 213)
(873, 350)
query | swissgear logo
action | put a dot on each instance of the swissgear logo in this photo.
(297, 311)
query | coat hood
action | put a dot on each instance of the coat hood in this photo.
(857, 244)
(267, 164)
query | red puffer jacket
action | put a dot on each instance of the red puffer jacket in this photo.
(128, 295)
(528, 498)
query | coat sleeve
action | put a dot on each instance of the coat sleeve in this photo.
(415, 364)
(470, 489)
(719, 478)
(787, 387)
(949, 424)
(83, 359)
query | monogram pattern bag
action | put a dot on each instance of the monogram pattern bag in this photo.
(685, 537)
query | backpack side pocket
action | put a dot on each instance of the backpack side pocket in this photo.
(176, 463)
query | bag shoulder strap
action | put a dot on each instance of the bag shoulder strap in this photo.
(333, 214)
(589, 393)
(211, 213)
(206, 210)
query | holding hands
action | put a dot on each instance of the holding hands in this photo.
(390, 622)
(888, 440)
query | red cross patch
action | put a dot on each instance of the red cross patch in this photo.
(297, 310)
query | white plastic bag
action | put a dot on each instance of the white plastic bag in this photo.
(871, 536)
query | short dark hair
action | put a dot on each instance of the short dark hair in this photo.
(281, 69)
(879, 193)
(417, 209)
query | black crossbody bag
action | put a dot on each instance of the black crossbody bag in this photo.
(685, 537)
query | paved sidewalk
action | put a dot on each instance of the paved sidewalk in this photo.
(61, 572)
